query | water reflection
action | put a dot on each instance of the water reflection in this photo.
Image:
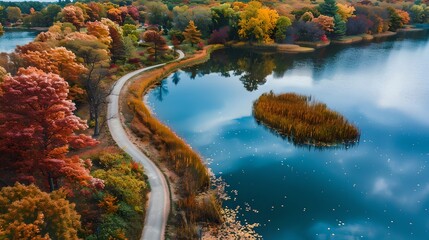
(378, 189)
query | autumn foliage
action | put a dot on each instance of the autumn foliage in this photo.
(28, 213)
(37, 129)
(57, 60)
(303, 121)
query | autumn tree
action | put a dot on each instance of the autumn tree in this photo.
(395, 20)
(99, 30)
(96, 11)
(345, 11)
(117, 48)
(3, 74)
(28, 213)
(57, 60)
(37, 128)
(326, 22)
(1, 30)
(192, 34)
(328, 8)
(95, 57)
(405, 17)
(257, 22)
(74, 15)
(13, 14)
(158, 41)
(115, 14)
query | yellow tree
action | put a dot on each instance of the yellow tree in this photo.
(28, 213)
(1, 30)
(257, 22)
(192, 34)
(345, 11)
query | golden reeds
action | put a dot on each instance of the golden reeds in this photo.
(303, 120)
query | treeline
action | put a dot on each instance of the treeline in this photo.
(304, 121)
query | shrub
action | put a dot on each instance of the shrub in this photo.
(219, 36)
(307, 31)
(358, 25)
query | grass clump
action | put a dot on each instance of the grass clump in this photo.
(304, 121)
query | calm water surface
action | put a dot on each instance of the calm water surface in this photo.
(378, 189)
(11, 39)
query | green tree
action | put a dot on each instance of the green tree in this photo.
(339, 27)
(130, 31)
(395, 20)
(13, 14)
(328, 8)
(157, 13)
(281, 26)
(28, 213)
(192, 34)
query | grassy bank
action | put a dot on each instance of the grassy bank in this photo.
(303, 120)
(196, 205)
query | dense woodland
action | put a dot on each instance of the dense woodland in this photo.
(53, 94)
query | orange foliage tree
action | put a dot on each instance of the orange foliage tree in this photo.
(74, 15)
(57, 60)
(37, 128)
(326, 22)
(28, 213)
(100, 31)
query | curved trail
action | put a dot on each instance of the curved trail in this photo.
(159, 200)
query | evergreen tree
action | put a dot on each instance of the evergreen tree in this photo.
(328, 8)
(192, 34)
(339, 27)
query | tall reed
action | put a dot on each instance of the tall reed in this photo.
(303, 120)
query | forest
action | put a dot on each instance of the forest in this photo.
(56, 153)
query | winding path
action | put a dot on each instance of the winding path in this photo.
(159, 200)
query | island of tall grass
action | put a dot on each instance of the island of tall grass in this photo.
(303, 120)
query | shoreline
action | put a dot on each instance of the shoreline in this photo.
(165, 147)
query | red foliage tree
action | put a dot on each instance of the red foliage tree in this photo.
(37, 128)
(159, 43)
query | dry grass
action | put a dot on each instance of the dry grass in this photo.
(303, 121)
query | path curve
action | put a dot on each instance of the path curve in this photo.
(159, 200)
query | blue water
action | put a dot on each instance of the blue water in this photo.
(11, 39)
(378, 189)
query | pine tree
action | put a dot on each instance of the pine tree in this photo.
(192, 34)
(339, 27)
(328, 8)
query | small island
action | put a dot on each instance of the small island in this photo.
(304, 121)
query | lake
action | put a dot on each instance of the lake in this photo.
(11, 39)
(377, 189)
